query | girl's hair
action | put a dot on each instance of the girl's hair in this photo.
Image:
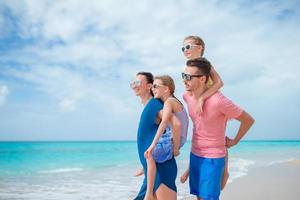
(149, 78)
(167, 81)
(197, 40)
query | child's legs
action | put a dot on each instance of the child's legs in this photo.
(151, 172)
(226, 172)
(185, 176)
(165, 193)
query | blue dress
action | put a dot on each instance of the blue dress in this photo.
(166, 172)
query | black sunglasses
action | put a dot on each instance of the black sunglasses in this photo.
(135, 83)
(155, 86)
(187, 47)
(189, 77)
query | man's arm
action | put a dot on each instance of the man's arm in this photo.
(246, 122)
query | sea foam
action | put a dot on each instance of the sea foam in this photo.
(61, 170)
(239, 167)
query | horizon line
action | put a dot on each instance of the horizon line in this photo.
(246, 140)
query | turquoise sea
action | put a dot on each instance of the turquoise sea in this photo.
(104, 170)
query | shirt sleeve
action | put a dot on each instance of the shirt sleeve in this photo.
(228, 108)
(184, 96)
(155, 106)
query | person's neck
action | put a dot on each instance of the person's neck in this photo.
(195, 57)
(197, 93)
(165, 97)
(145, 98)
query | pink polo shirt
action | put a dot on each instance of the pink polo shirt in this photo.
(209, 127)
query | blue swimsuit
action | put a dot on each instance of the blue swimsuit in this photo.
(166, 172)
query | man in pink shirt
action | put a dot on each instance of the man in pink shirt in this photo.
(208, 152)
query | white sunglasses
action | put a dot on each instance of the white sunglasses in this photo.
(187, 47)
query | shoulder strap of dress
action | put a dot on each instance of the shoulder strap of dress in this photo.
(173, 98)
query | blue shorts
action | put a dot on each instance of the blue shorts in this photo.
(163, 150)
(206, 176)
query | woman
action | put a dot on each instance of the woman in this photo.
(164, 185)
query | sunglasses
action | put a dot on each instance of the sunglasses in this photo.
(135, 83)
(155, 86)
(189, 77)
(187, 47)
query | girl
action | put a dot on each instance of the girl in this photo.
(165, 144)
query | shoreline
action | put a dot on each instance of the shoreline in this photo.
(259, 170)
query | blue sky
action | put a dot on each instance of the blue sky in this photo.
(65, 66)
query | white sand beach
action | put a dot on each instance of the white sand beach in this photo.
(275, 182)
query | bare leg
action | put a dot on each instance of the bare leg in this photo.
(226, 172)
(151, 165)
(165, 193)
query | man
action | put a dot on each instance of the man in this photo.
(208, 151)
(164, 184)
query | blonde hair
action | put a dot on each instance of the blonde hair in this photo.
(167, 81)
(197, 40)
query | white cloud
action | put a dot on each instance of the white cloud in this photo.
(4, 91)
(67, 105)
(83, 54)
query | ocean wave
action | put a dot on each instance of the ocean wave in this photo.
(61, 170)
(274, 162)
(239, 167)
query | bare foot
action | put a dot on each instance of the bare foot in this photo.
(184, 176)
(176, 153)
(139, 172)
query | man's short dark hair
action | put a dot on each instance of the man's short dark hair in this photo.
(149, 76)
(202, 65)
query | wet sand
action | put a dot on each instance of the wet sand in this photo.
(276, 182)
